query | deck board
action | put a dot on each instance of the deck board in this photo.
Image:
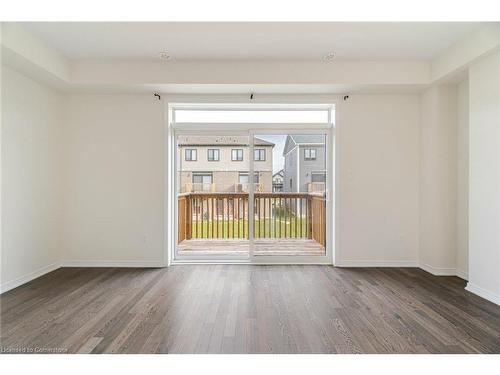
(262, 246)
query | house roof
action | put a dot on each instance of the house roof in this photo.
(293, 140)
(211, 140)
(308, 138)
(280, 173)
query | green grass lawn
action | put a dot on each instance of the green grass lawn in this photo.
(294, 228)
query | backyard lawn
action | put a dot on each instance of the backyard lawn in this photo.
(265, 228)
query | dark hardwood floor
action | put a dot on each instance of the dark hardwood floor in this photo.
(248, 309)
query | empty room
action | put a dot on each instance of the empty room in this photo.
(250, 187)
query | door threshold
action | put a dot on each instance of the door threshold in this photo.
(247, 263)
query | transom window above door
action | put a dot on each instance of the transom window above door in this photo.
(217, 114)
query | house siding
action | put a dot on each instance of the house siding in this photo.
(290, 171)
(309, 166)
(225, 171)
(298, 169)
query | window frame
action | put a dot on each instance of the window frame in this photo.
(223, 113)
(175, 129)
(218, 154)
(260, 151)
(319, 173)
(310, 154)
(236, 149)
(191, 154)
(256, 177)
(202, 174)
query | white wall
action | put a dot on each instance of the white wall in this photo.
(31, 179)
(463, 180)
(438, 183)
(379, 179)
(114, 180)
(484, 193)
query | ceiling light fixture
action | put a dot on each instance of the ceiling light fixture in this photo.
(164, 56)
(329, 56)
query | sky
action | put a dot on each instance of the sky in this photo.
(279, 141)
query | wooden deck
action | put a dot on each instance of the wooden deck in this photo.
(226, 216)
(262, 246)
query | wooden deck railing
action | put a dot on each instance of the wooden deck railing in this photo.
(276, 215)
(198, 187)
(244, 187)
(316, 187)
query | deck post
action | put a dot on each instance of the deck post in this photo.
(189, 217)
(309, 217)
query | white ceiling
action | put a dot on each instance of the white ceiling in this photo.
(250, 41)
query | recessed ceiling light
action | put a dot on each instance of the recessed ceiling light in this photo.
(164, 56)
(329, 56)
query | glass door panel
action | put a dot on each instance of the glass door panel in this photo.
(289, 195)
(212, 196)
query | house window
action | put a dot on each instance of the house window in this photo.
(291, 183)
(213, 154)
(318, 177)
(190, 154)
(237, 154)
(309, 154)
(259, 154)
(202, 178)
(243, 177)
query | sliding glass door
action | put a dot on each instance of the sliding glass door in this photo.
(255, 195)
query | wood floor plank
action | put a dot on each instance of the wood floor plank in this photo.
(248, 309)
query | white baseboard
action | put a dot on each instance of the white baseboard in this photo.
(376, 263)
(28, 277)
(9, 285)
(439, 271)
(113, 263)
(483, 293)
(462, 274)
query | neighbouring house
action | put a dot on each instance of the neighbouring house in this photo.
(278, 181)
(221, 164)
(305, 163)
